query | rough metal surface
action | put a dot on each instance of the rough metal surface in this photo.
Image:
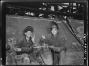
(16, 24)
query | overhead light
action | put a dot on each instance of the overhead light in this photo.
(41, 15)
(74, 4)
(59, 7)
(74, 8)
(44, 4)
(40, 8)
(43, 8)
(65, 17)
(27, 13)
(52, 8)
(66, 3)
(65, 6)
(32, 14)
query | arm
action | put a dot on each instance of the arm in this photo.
(26, 49)
(43, 40)
(19, 47)
(23, 49)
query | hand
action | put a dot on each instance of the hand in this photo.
(33, 39)
(56, 48)
(52, 46)
(17, 49)
(45, 45)
(43, 36)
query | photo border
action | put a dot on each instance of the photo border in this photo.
(3, 25)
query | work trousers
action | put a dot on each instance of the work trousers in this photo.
(56, 57)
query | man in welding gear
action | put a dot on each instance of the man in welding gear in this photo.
(55, 41)
(27, 43)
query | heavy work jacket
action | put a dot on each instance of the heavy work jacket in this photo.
(56, 41)
(26, 47)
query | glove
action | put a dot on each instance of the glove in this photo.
(43, 36)
(17, 49)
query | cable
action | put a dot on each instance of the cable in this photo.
(71, 30)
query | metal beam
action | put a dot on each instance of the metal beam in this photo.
(66, 1)
(47, 11)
